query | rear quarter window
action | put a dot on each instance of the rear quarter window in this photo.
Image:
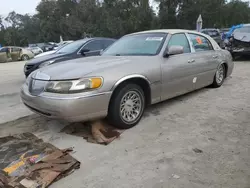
(200, 43)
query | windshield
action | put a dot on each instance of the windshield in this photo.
(71, 47)
(138, 44)
(243, 30)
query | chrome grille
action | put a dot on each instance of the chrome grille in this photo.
(36, 87)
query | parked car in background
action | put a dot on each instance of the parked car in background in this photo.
(35, 50)
(80, 48)
(14, 53)
(137, 70)
(215, 34)
(53, 51)
(44, 46)
(238, 40)
(62, 44)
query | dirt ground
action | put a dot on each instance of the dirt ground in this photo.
(201, 139)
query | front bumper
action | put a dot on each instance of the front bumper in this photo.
(69, 107)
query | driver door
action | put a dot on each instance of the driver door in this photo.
(178, 71)
(93, 48)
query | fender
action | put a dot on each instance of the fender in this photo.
(129, 77)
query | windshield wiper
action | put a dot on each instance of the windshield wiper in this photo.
(117, 54)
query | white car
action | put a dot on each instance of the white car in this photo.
(35, 50)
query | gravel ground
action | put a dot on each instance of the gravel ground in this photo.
(201, 139)
(12, 77)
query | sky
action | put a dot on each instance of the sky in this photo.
(19, 6)
(23, 6)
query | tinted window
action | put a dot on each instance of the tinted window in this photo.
(200, 43)
(72, 47)
(94, 45)
(180, 40)
(137, 45)
(107, 43)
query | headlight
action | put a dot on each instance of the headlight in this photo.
(46, 63)
(74, 86)
(27, 81)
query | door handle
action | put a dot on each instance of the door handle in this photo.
(215, 56)
(191, 61)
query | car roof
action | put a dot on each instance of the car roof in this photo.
(170, 31)
(98, 38)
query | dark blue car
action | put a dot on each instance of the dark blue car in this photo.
(78, 49)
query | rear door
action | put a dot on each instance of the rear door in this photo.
(94, 47)
(206, 60)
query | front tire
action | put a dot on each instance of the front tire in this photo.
(126, 106)
(219, 76)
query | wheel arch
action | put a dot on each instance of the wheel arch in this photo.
(138, 79)
(225, 65)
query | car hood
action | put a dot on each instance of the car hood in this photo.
(244, 37)
(78, 68)
(44, 58)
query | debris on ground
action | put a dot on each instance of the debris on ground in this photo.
(98, 132)
(175, 176)
(196, 150)
(27, 162)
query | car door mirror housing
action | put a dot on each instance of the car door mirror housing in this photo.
(174, 50)
(84, 51)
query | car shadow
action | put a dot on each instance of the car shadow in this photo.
(155, 109)
(243, 58)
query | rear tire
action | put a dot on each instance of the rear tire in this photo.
(25, 57)
(126, 106)
(219, 76)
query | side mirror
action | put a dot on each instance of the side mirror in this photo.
(84, 51)
(174, 50)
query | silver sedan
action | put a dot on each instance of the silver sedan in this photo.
(139, 69)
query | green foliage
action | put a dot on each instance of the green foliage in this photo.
(115, 18)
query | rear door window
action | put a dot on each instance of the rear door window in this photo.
(200, 43)
(106, 43)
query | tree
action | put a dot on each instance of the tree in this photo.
(236, 12)
(75, 19)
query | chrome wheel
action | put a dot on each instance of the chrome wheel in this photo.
(220, 74)
(131, 107)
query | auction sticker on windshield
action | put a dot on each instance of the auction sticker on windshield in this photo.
(154, 39)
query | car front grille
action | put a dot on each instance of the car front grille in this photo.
(36, 87)
(28, 67)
